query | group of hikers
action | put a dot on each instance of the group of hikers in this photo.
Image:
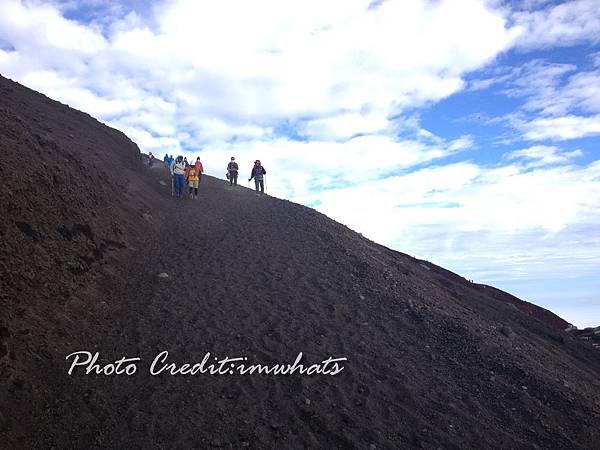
(184, 173)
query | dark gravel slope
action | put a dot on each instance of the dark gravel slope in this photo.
(433, 360)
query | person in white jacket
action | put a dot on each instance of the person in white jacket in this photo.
(178, 173)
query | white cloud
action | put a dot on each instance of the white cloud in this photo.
(542, 155)
(560, 102)
(5, 56)
(340, 67)
(539, 82)
(34, 26)
(582, 92)
(561, 128)
(482, 84)
(561, 24)
(68, 91)
(151, 143)
(344, 126)
(489, 223)
(546, 93)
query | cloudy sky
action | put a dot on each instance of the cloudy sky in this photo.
(464, 132)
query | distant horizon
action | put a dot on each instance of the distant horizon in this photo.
(464, 133)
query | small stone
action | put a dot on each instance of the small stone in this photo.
(508, 332)
(307, 402)
(162, 183)
(362, 297)
(163, 275)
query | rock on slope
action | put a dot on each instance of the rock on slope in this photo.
(433, 361)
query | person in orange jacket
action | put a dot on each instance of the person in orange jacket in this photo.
(192, 177)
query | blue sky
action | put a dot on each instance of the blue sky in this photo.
(462, 132)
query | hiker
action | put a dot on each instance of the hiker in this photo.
(166, 160)
(185, 161)
(232, 172)
(178, 173)
(150, 159)
(192, 178)
(258, 173)
(169, 161)
(199, 169)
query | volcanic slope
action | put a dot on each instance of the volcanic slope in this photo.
(432, 360)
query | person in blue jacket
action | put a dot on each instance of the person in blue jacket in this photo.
(258, 173)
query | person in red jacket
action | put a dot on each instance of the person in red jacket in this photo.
(199, 169)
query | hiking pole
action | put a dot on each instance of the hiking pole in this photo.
(172, 186)
(265, 176)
